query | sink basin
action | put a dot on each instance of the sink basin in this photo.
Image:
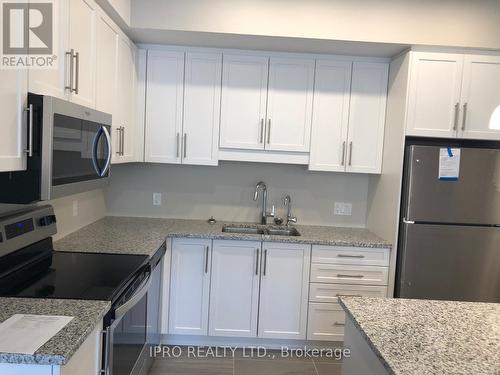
(290, 232)
(242, 230)
(273, 231)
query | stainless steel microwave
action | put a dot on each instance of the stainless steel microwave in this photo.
(69, 151)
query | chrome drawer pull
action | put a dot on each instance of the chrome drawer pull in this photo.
(348, 295)
(351, 276)
(350, 256)
(337, 324)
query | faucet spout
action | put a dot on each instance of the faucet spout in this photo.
(262, 186)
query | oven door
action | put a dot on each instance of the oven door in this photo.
(125, 349)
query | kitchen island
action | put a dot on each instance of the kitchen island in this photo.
(401, 336)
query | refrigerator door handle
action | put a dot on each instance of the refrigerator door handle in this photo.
(408, 221)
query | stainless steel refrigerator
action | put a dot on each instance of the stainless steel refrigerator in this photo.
(449, 241)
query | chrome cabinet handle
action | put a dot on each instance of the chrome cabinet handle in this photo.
(119, 135)
(206, 259)
(349, 256)
(185, 144)
(261, 130)
(107, 343)
(29, 150)
(343, 153)
(71, 70)
(350, 276)
(257, 261)
(337, 324)
(350, 153)
(455, 119)
(265, 263)
(123, 140)
(178, 145)
(268, 131)
(77, 75)
(464, 119)
(348, 295)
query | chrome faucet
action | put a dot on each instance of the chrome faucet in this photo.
(264, 215)
(287, 202)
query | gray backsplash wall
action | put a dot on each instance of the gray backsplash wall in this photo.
(226, 192)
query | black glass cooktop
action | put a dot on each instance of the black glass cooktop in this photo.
(69, 275)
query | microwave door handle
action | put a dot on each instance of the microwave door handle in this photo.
(108, 159)
(134, 300)
(94, 151)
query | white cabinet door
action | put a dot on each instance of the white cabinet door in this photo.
(82, 30)
(125, 103)
(106, 65)
(202, 88)
(234, 291)
(434, 94)
(13, 101)
(367, 117)
(332, 92)
(284, 290)
(164, 100)
(189, 286)
(326, 322)
(244, 96)
(289, 104)
(481, 98)
(53, 81)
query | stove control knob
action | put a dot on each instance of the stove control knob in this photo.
(47, 220)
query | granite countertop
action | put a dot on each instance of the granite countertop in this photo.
(59, 349)
(429, 337)
(137, 235)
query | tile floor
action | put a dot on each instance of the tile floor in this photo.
(244, 364)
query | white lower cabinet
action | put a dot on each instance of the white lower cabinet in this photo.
(326, 322)
(189, 286)
(234, 289)
(284, 290)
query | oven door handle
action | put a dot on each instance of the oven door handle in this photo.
(135, 299)
(102, 130)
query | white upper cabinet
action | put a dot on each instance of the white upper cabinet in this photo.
(13, 102)
(82, 62)
(244, 96)
(367, 117)
(330, 122)
(453, 95)
(289, 104)
(106, 65)
(202, 90)
(164, 100)
(480, 97)
(234, 288)
(434, 94)
(124, 113)
(53, 81)
(284, 290)
(190, 286)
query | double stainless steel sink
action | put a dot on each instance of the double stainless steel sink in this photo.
(270, 230)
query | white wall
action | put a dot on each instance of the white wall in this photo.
(461, 23)
(226, 192)
(91, 207)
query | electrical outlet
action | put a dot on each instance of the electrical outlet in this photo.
(75, 208)
(156, 199)
(342, 209)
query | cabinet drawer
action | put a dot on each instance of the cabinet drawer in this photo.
(330, 292)
(346, 274)
(350, 255)
(326, 322)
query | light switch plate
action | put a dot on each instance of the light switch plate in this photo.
(342, 209)
(156, 199)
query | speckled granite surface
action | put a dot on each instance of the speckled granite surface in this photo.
(429, 337)
(136, 235)
(59, 349)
